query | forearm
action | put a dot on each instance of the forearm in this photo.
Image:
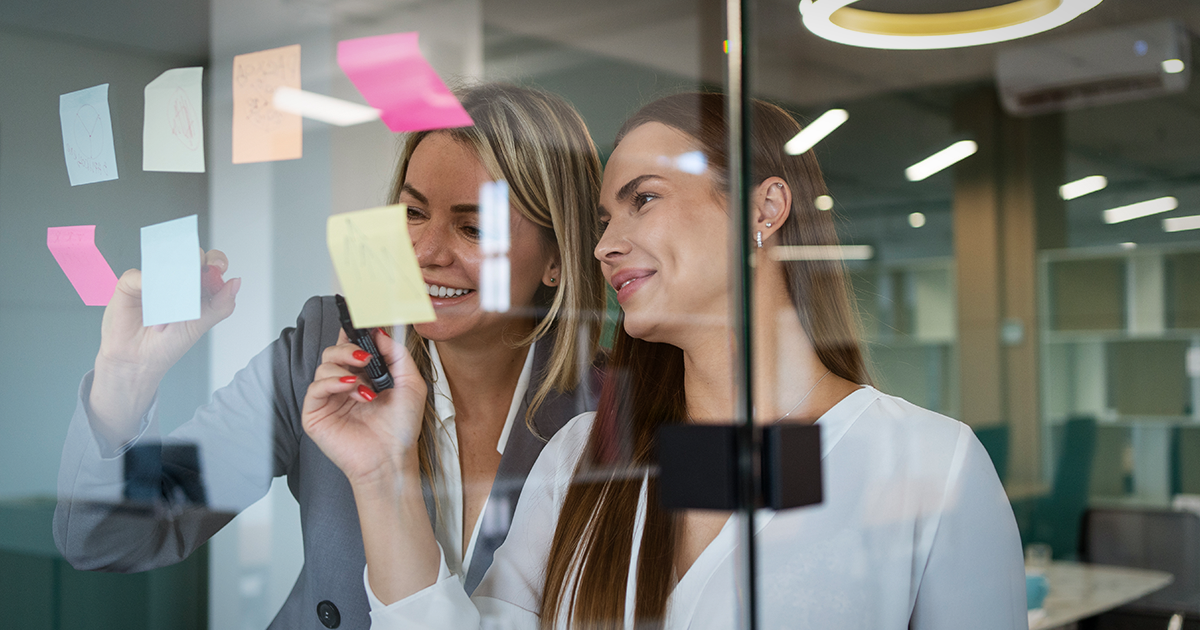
(402, 553)
(120, 395)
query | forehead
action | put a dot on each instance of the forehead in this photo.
(651, 147)
(442, 160)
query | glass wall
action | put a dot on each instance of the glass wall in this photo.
(697, 314)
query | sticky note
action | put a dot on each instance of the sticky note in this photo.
(173, 127)
(74, 248)
(375, 262)
(392, 74)
(262, 133)
(170, 272)
(88, 135)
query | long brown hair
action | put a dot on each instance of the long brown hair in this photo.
(589, 559)
(540, 145)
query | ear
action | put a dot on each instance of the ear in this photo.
(552, 275)
(772, 206)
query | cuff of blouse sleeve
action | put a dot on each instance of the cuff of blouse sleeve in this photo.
(443, 575)
(107, 451)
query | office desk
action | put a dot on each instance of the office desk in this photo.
(1079, 591)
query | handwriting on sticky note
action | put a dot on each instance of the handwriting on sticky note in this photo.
(375, 263)
(88, 135)
(170, 272)
(74, 248)
(262, 133)
(392, 74)
(173, 127)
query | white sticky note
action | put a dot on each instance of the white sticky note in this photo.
(88, 135)
(170, 272)
(173, 128)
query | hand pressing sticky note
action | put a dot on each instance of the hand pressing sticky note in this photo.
(262, 133)
(88, 135)
(374, 260)
(74, 248)
(173, 129)
(392, 74)
(170, 272)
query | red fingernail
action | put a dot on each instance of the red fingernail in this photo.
(362, 355)
(211, 278)
(384, 331)
(348, 379)
(366, 392)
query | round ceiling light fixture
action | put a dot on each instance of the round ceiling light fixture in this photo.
(836, 21)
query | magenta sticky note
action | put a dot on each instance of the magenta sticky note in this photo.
(392, 74)
(74, 247)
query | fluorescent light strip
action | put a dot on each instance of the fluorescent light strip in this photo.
(1173, 66)
(816, 131)
(1081, 187)
(1140, 209)
(940, 160)
(927, 32)
(822, 252)
(1179, 224)
(326, 109)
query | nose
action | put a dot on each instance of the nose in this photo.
(431, 244)
(613, 243)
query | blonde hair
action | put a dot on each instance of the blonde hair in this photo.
(540, 145)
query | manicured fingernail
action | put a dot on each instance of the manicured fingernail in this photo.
(211, 278)
(384, 331)
(348, 379)
(362, 355)
(366, 392)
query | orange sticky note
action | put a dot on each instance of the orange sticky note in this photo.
(262, 133)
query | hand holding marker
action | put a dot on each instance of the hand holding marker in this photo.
(377, 371)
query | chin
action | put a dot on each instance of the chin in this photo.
(438, 330)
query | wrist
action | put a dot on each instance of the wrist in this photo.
(388, 482)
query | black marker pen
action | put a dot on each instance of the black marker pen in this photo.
(377, 372)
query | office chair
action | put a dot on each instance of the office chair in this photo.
(1163, 540)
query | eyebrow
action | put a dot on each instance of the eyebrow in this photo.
(423, 200)
(626, 191)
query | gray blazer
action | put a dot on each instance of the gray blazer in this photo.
(249, 433)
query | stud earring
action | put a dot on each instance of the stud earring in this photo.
(758, 239)
(768, 224)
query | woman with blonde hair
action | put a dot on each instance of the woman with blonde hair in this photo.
(915, 530)
(488, 388)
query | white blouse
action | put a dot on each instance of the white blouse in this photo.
(915, 526)
(448, 482)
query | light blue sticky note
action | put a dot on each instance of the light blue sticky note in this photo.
(88, 135)
(170, 272)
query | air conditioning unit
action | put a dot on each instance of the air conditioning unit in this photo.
(1109, 66)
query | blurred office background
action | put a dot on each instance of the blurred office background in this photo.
(1071, 345)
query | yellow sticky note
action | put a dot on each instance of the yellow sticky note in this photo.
(375, 262)
(262, 133)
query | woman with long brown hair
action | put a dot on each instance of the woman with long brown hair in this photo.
(915, 530)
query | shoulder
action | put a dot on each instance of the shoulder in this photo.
(556, 463)
(907, 439)
(897, 418)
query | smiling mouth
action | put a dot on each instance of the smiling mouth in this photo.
(439, 291)
(627, 282)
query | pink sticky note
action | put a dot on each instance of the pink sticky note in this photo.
(390, 72)
(74, 247)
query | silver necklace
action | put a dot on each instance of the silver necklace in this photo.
(797, 405)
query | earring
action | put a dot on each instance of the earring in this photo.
(758, 239)
(552, 280)
(768, 224)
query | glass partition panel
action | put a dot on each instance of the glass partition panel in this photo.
(682, 314)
